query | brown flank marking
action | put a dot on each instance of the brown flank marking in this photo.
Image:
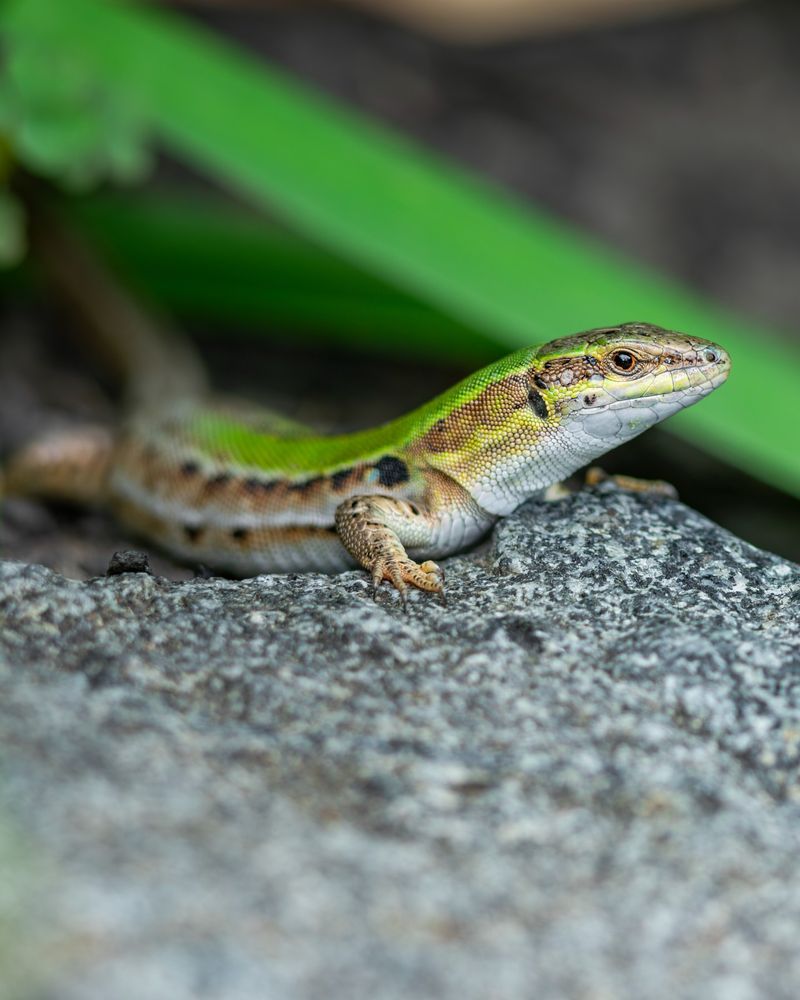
(496, 402)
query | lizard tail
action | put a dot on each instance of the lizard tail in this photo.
(71, 465)
(153, 362)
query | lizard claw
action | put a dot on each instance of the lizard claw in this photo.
(402, 572)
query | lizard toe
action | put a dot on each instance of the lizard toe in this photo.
(402, 572)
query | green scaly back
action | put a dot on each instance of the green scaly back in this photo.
(248, 443)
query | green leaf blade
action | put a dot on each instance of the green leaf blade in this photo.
(415, 221)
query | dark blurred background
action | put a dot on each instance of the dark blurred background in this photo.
(674, 140)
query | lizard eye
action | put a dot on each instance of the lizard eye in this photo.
(623, 361)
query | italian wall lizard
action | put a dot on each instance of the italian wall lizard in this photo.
(240, 489)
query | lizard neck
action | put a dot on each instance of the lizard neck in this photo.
(499, 482)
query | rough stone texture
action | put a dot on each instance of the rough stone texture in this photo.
(579, 779)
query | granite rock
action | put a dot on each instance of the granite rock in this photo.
(578, 779)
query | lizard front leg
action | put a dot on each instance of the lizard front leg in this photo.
(375, 530)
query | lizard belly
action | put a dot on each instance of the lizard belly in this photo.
(226, 525)
(453, 530)
(229, 545)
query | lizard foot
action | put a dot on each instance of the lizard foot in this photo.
(375, 531)
(653, 487)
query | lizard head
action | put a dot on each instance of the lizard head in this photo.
(611, 384)
(535, 417)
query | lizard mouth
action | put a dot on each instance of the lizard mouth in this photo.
(682, 395)
(613, 421)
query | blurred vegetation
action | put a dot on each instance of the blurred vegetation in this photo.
(60, 121)
(392, 246)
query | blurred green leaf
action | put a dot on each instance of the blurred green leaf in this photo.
(481, 257)
(35, 79)
(206, 259)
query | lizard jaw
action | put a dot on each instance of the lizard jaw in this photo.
(615, 420)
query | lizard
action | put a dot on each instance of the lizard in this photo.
(236, 488)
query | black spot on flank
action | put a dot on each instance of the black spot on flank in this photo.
(239, 534)
(392, 471)
(538, 404)
(258, 486)
(306, 484)
(538, 380)
(590, 398)
(414, 510)
(339, 479)
(190, 469)
(192, 532)
(219, 480)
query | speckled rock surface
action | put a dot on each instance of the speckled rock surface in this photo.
(579, 779)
